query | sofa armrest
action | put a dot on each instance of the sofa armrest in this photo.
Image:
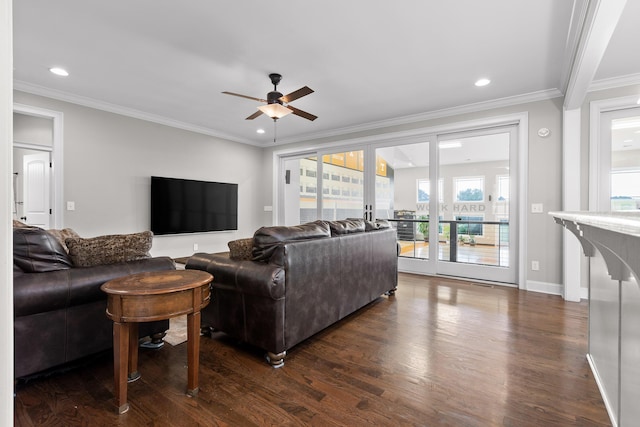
(86, 281)
(40, 292)
(48, 291)
(248, 277)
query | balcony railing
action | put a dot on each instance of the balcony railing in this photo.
(470, 242)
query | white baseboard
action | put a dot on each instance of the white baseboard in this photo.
(552, 288)
(544, 287)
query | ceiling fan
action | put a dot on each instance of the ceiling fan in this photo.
(277, 105)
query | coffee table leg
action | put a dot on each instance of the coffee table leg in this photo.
(120, 364)
(193, 352)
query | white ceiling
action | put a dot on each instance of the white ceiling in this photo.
(367, 60)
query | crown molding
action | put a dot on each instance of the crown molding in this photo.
(615, 82)
(421, 117)
(387, 123)
(124, 111)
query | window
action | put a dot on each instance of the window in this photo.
(503, 188)
(423, 191)
(469, 189)
(625, 190)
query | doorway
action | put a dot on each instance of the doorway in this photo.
(37, 166)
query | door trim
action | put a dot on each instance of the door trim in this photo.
(57, 216)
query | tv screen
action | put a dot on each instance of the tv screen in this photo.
(189, 206)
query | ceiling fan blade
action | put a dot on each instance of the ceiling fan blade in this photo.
(245, 96)
(303, 91)
(301, 113)
(254, 115)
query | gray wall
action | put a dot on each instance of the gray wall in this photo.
(108, 161)
(32, 130)
(544, 237)
(109, 158)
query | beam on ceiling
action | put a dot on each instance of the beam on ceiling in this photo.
(601, 19)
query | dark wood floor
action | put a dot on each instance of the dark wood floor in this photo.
(439, 353)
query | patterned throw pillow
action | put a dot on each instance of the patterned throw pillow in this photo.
(240, 249)
(109, 249)
(62, 235)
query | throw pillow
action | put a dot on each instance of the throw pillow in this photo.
(110, 249)
(62, 235)
(36, 251)
(240, 249)
(19, 224)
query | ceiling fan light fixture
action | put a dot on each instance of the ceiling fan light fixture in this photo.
(275, 110)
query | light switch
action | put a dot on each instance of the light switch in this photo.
(71, 206)
(536, 208)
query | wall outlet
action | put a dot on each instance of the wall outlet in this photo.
(535, 265)
(195, 246)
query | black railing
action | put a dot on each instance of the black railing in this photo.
(465, 241)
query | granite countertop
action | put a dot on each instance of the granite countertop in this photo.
(627, 222)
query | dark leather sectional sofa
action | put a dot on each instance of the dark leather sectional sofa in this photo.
(59, 309)
(297, 280)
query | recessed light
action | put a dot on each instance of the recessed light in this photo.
(260, 131)
(483, 82)
(59, 71)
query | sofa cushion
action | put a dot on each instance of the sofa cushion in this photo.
(36, 251)
(109, 249)
(347, 226)
(240, 249)
(267, 239)
(62, 235)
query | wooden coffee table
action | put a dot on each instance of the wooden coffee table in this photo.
(146, 297)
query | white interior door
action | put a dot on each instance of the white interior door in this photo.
(37, 189)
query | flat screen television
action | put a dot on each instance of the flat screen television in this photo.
(188, 206)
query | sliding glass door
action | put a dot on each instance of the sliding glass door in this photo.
(477, 211)
(342, 185)
(299, 187)
(452, 198)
